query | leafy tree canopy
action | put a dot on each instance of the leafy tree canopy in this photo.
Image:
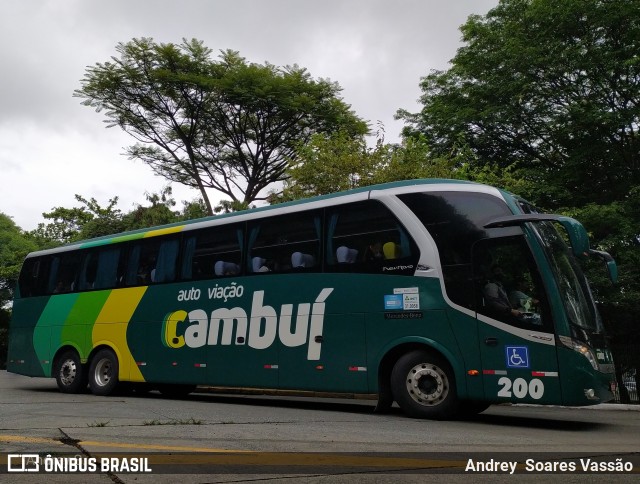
(92, 220)
(14, 246)
(552, 87)
(338, 162)
(224, 124)
(79, 223)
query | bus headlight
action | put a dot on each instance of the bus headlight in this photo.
(581, 348)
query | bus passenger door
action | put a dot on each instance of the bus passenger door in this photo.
(515, 329)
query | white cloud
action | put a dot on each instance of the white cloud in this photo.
(47, 168)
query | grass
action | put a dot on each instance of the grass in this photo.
(189, 421)
(98, 424)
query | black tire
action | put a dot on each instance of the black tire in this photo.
(69, 372)
(471, 408)
(103, 372)
(175, 390)
(424, 386)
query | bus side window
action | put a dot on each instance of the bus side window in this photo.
(100, 269)
(508, 286)
(63, 276)
(455, 221)
(285, 243)
(165, 268)
(152, 261)
(367, 237)
(34, 276)
(212, 252)
(88, 271)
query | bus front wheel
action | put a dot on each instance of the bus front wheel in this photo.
(424, 386)
(69, 372)
(103, 372)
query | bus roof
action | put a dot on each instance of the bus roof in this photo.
(247, 214)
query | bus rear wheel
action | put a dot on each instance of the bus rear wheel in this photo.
(103, 372)
(424, 386)
(69, 372)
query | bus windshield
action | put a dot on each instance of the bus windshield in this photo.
(572, 285)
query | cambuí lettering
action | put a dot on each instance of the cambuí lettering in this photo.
(258, 329)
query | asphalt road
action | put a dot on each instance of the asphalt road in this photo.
(240, 438)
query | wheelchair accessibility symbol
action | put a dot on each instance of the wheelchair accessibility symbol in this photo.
(517, 356)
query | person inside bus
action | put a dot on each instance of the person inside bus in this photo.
(496, 296)
(524, 303)
(520, 299)
(374, 252)
(502, 306)
(60, 287)
(146, 271)
(373, 258)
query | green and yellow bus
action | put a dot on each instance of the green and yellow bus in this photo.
(443, 296)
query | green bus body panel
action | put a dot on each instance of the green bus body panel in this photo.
(78, 327)
(536, 382)
(48, 329)
(353, 331)
(582, 376)
(356, 330)
(22, 356)
(465, 331)
(53, 322)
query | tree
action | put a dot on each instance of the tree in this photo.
(160, 212)
(80, 223)
(229, 125)
(329, 164)
(14, 246)
(552, 87)
(616, 227)
(193, 209)
(91, 220)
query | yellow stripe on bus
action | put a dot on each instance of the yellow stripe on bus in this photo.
(111, 328)
(168, 230)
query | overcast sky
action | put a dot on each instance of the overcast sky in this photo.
(52, 147)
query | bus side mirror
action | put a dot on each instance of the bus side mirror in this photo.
(578, 236)
(580, 245)
(610, 263)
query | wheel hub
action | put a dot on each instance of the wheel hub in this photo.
(68, 372)
(103, 372)
(427, 384)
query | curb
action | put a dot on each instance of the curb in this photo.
(272, 392)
